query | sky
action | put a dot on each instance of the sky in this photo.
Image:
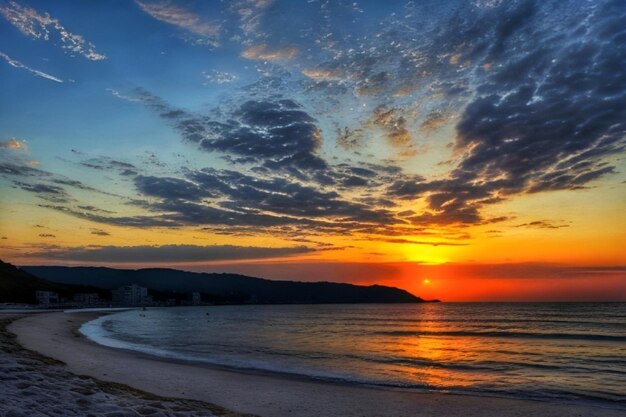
(462, 150)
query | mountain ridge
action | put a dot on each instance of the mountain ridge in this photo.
(19, 286)
(232, 288)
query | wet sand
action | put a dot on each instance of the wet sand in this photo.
(55, 335)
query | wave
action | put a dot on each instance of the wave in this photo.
(522, 320)
(524, 335)
(388, 352)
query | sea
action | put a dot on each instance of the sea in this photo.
(557, 352)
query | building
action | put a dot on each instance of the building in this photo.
(87, 298)
(46, 297)
(195, 298)
(131, 295)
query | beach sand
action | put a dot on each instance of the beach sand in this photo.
(32, 385)
(55, 335)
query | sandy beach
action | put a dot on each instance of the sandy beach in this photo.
(158, 384)
(33, 385)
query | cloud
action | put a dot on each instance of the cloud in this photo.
(265, 53)
(41, 26)
(279, 134)
(434, 121)
(219, 77)
(548, 116)
(103, 163)
(409, 188)
(250, 13)
(21, 168)
(46, 192)
(170, 188)
(283, 197)
(94, 209)
(14, 145)
(121, 96)
(545, 119)
(46, 185)
(536, 107)
(322, 74)
(202, 32)
(394, 124)
(100, 232)
(16, 64)
(374, 84)
(422, 242)
(168, 253)
(350, 139)
(542, 224)
(106, 216)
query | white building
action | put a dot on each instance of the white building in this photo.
(46, 297)
(131, 295)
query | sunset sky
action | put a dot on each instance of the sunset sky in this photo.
(462, 150)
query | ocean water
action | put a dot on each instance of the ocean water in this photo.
(562, 352)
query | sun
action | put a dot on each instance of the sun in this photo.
(426, 281)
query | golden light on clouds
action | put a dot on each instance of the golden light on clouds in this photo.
(14, 144)
(264, 53)
(320, 74)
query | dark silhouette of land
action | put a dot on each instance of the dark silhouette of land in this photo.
(171, 283)
(18, 286)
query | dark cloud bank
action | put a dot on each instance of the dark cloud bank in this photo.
(166, 253)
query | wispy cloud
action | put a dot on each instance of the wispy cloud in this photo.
(17, 64)
(543, 224)
(423, 242)
(41, 26)
(205, 33)
(250, 14)
(265, 53)
(321, 74)
(168, 253)
(121, 96)
(394, 124)
(220, 77)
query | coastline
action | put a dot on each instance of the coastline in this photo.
(55, 335)
(33, 385)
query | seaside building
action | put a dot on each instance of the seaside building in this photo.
(87, 298)
(195, 298)
(131, 295)
(46, 297)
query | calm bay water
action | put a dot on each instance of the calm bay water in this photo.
(566, 352)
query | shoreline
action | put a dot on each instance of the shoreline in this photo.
(56, 335)
(33, 385)
(293, 376)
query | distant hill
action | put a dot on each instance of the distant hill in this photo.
(18, 286)
(229, 288)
